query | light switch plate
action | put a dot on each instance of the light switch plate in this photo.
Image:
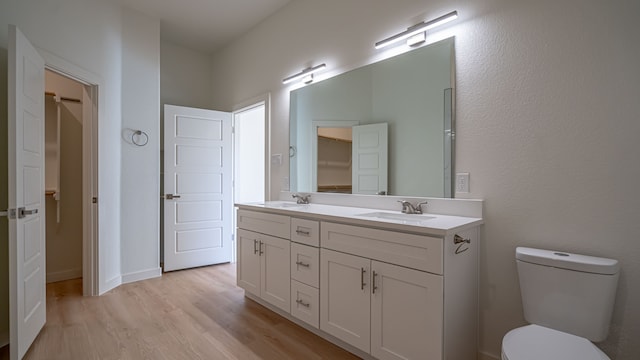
(462, 182)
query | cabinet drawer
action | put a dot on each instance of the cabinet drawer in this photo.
(269, 224)
(414, 251)
(305, 231)
(305, 264)
(305, 304)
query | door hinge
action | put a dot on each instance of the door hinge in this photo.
(94, 200)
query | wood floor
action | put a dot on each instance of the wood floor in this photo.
(190, 314)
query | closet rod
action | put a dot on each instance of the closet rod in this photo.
(62, 98)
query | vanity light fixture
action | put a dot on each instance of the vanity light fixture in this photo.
(417, 29)
(305, 75)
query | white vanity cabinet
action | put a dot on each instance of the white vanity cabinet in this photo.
(381, 290)
(263, 260)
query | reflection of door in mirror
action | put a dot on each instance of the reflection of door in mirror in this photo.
(334, 160)
(370, 159)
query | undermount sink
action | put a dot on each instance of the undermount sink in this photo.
(284, 204)
(409, 219)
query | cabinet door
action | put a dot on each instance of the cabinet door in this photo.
(276, 274)
(406, 313)
(248, 267)
(344, 297)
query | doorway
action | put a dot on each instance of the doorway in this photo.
(250, 154)
(63, 177)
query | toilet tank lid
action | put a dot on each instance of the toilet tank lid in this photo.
(564, 260)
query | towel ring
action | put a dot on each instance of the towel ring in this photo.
(140, 135)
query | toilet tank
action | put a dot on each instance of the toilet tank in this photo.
(567, 292)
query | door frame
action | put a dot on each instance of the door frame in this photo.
(91, 98)
(315, 124)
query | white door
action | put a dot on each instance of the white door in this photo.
(345, 298)
(26, 193)
(406, 313)
(197, 187)
(369, 172)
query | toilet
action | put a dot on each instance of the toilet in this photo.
(568, 300)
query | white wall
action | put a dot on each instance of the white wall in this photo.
(120, 48)
(547, 123)
(185, 77)
(140, 189)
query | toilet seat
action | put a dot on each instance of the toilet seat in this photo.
(534, 342)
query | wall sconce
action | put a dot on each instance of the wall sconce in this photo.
(416, 33)
(305, 75)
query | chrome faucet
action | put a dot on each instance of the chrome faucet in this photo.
(409, 208)
(301, 199)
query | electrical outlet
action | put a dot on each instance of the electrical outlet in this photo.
(462, 182)
(285, 183)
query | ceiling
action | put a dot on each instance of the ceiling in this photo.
(205, 25)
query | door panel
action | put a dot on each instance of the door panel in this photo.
(369, 172)
(276, 272)
(248, 262)
(26, 190)
(406, 313)
(344, 297)
(197, 173)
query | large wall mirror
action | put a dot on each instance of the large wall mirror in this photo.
(385, 128)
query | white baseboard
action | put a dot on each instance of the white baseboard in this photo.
(141, 275)
(110, 285)
(64, 275)
(485, 356)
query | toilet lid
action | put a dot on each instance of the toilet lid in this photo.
(534, 342)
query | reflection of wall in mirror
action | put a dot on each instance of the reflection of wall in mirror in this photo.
(334, 160)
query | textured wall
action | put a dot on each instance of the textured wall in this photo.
(547, 124)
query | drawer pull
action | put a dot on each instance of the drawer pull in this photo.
(261, 251)
(303, 232)
(374, 287)
(301, 302)
(300, 263)
(255, 246)
(362, 283)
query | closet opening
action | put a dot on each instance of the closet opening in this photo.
(70, 144)
(63, 177)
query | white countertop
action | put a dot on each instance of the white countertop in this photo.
(427, 223)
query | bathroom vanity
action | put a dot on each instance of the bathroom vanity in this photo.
(374, 281)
